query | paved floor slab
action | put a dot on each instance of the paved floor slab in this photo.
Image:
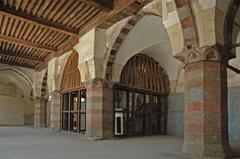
(30, 143)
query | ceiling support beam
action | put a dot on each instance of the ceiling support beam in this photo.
(235, 45)
(17, 64)
(119, 5)
(233, 69)
(105, 5)
(37, 20)
(18, 56)
(27, 43)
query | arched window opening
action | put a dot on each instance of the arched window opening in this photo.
(140, 98)
(73, 108)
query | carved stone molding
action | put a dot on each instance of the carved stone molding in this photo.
(209, 53)
(99, 82)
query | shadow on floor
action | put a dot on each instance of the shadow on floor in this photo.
(236, 149)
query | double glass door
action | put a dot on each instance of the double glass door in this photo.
(139, 113)
(74, 111)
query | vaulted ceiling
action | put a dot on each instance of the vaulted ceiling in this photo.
(34, 31)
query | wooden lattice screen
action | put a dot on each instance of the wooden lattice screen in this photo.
(143, 72)
(71, 76)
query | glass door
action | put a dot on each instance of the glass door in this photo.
(65, 111)
(120, 103)
(138, 112)
(82, 112)
(137, 122)
(74, 111)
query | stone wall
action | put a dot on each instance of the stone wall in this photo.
(175, 114)
(15, 107)
(234, 112)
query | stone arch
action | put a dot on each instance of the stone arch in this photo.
(23, 76)
(120, 38)
(126, 29)
(231, 27)
(186, 20)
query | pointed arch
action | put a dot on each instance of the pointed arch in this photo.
(25, 78)
(185, 13)
(120, 38)
(71, 78)
(143, 72)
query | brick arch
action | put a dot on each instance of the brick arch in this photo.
(120, 38)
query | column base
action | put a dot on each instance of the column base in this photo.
(94, 134)
(55, 117)
(208, 151)
(99, 134)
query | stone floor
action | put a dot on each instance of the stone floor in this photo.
(29, 143)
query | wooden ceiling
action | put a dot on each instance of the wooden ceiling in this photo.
(34, 31)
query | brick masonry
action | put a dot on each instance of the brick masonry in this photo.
(39, 106)
(205, 116)
(55, 111)
(184, 11)
(99, 109)
(176, 113)
(39, 112)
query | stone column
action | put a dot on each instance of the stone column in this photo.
(39, 112)
(55, 117)
(206, 111)
(99, 109)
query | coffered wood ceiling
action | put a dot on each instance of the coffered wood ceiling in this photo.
(34, 31)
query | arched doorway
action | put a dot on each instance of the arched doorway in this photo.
(16, 98)
(140, 98)
(73, 98)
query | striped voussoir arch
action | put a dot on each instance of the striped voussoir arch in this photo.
(120, 38)
(44, 84)
(185, 14)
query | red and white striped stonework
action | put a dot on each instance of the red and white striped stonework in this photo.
(185, 14)
(99, 109)
(206, 114)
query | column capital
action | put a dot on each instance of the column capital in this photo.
(99, 82)
(214, 53)
(37, 98)
(55, 92)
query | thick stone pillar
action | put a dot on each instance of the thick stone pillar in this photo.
(55, 117)
(39, 112)
(99, 109)
(206, 111)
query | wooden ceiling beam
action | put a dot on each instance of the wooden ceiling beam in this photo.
(19, 56)
(105, 5)
(27, 43)
(17, 64)
(119, 5)
(37, 20)
(235, 45)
